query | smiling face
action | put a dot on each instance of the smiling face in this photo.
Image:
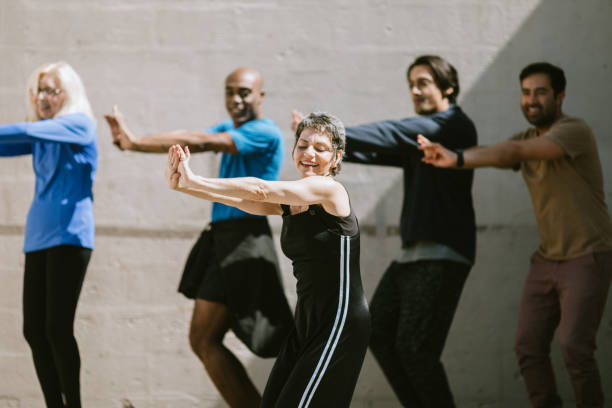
(540, 106)
(314, 154)
(426, 96)
(243, 95)
(49, 97)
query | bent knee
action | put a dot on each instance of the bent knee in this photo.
(424, 358)
(59, 332)
(577, 352)
(34, 334)
(528, 344)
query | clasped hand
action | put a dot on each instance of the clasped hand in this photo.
(178, 173)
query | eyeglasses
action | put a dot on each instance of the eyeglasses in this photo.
(49, 91)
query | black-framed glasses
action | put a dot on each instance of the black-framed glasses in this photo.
(49, 91)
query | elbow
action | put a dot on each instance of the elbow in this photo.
(260, 191)
(195, 144)
(511, 156)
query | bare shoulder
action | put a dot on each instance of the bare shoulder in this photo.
(322, 183)
(337, 202)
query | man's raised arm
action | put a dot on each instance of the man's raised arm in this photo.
(506, 154)
(160, 142)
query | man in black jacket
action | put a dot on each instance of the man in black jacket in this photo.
(415, 301)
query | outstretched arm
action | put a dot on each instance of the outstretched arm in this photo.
(310, 190)
(506, 154)
(74, 128)
(160, 142)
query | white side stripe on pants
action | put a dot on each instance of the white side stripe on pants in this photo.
(332, 342)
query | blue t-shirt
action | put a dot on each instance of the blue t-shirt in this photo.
(65, 157)
(260, 154)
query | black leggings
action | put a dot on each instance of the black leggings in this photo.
(412, 310)
(52, 283)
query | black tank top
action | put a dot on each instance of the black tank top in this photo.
(314, 236)
(324, 250)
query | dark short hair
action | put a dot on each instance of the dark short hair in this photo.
(444, 74)
(328, 124)
(555, 74)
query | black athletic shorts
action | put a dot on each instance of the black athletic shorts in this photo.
(234, 262)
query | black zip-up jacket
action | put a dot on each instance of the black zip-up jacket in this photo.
(437, 202)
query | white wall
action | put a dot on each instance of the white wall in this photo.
(164, 63)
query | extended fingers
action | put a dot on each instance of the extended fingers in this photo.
(111, 120)
(170, 156)
(297, 115)
(119, 118)
(113, 124)
(296, 118)
(429, 149)
(173, 158)
(180, 153)
(423, 142)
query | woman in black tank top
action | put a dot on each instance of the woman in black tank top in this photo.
(320, 361)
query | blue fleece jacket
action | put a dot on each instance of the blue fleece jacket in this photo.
(65, 157)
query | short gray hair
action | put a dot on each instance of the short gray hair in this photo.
(330, 125)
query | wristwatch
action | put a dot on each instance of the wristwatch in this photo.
(459, 157)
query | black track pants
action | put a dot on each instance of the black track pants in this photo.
(412, 310)
(52, 284)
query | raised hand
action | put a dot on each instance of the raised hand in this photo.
(296, 118)
(180, 159)
(171, 170)
(436, 154)
(122, 136)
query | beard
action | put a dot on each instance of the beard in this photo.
(543, 117)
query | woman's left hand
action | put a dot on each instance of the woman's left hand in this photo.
(180, 161)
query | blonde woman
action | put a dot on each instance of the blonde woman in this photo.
(60, 134)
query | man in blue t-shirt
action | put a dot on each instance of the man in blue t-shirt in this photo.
(232, 271)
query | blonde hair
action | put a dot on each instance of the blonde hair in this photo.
(75, 98)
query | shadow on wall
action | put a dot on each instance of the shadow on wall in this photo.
(479, 356)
